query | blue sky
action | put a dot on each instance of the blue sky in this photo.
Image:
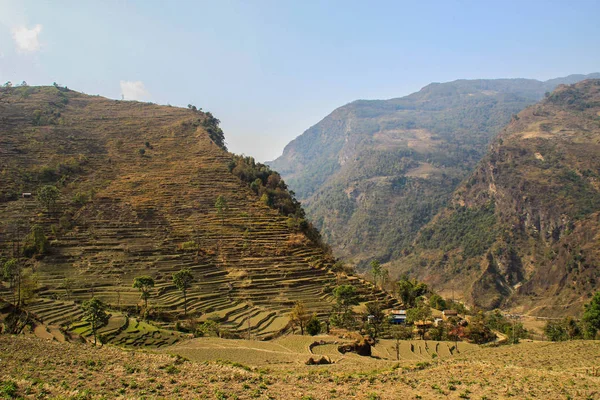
(271, 69)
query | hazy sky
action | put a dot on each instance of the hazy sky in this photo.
(271, 69)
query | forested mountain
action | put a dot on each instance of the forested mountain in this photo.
(524, 229)
(96, 192)
(372, 173)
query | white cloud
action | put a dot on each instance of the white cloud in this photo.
(27, 39)
(134, 90)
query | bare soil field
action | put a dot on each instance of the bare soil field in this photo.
(36, 368)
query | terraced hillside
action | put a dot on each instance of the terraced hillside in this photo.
(138, 184)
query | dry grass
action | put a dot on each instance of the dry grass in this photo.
(43, 369)
(424, 170)
(154, 214)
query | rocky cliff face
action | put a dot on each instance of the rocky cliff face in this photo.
(372, 173)
(528, 216)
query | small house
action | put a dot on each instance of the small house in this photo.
(397, 317)
(423, 324)
(26, 195)
(448, 314)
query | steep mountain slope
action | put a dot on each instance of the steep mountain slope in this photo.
(524, 229)
(372, 173)
(138, 187)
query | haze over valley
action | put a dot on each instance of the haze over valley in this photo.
(428, 224)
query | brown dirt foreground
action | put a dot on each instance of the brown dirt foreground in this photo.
(44, 369)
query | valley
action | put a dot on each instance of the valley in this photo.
(427, 225)
(105, 202)
(387, 178)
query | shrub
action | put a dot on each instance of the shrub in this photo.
(36, 242)
(555, 331)
(208, 328)
(190, 245)
(8, 389)
(313, 327)
(437, 302)
(591, 317)
(48, 195)
(80, 199)
(171, 369)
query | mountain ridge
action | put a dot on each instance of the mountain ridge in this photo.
(533, 204)
(363, 170)
(139, 186)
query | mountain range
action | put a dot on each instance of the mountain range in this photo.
(375, 176)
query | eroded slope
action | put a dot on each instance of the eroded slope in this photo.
(524, 229)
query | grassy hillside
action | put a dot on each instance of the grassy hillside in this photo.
(33, 368)
(523, 229)
(372, 173)
(138, 184)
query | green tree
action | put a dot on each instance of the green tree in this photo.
(572, 328)
(211, 125)
(375, 318)
(29, 285)
(313, 326)
(420, 313)
(299, 316)
(406, 292)
(497, 321)
(144, 284)
(410, 290)
(437, 302)
(36, 242)
(47, 196)
(555, 331)
(183, 280)
(566, 329)
(438, 332)
(94, 312)
(345, 297)
(478, 331)
(515, 332)
(222, 207)
(376, 270)
(210, 327)
(591, 317)
(385, 277)
(11, 273)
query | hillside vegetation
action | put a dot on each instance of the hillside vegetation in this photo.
(523, 230)
(372, 173)
(127, 189)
